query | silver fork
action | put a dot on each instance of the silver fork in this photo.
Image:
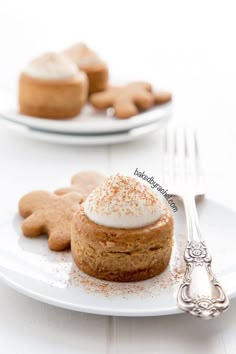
(200, 293)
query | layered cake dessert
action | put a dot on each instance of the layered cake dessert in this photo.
(51, 86)
(122, 232)
(89, 61)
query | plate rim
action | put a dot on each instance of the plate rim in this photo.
(152, 115)
(88, 140)
(107, 311)
(164, 311)
(86, 309)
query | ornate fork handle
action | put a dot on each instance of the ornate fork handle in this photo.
(200, 293)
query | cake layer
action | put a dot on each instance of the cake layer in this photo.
(56, 99)
(121, 254)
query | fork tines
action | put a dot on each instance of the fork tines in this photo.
(181, 160)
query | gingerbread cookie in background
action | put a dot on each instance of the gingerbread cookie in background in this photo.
(88, 61)
(129, 100)
(50, 214)
(161, 97)
(51, 86)
(126, 100)
(83, 183)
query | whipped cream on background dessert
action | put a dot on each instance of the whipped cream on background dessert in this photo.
(51, 66)
(123, 202)
(82, 55)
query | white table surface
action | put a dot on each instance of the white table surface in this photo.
(186, 47)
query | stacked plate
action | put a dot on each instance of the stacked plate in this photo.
(88, 128)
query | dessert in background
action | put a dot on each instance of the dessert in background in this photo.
(50, 214)
(88, 61)
(129, 100)
(84, 183)
(122, 232)
(57, 85)
(51, 86)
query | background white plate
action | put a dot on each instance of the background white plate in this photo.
(28, 266)
(97, 139)
(89, 121)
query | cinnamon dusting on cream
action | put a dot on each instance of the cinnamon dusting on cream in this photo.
(123, 202)
(50, 66)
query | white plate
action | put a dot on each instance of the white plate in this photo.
(29, 267)
(99, 139)
(89, 121)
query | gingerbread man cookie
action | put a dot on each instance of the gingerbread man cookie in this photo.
(126, 100)
(84, 183)
(161, 97)
(50, 214)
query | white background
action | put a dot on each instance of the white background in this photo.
(185, 46)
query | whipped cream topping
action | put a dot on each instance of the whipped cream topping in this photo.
(123, 202)
(82, 55)
(51, 66)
